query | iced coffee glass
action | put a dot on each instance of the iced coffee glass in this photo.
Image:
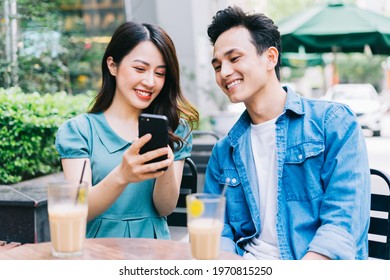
(205, 219)
(68, 209)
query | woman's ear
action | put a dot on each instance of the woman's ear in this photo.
(111, 65)
(272, 55)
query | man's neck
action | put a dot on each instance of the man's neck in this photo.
(268, 104)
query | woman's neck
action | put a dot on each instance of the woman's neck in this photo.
(123, 120)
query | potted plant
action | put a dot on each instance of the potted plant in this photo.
(226, 114)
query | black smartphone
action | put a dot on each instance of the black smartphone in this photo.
(157, 125)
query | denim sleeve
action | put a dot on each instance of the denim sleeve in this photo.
(345, 210)
(212, 186)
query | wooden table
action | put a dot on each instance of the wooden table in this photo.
(113, 249)
(6, 246)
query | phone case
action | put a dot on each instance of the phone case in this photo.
(157, 125)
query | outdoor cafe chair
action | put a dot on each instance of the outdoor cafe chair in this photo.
(203, 144)
(379, 231)
(188, 186)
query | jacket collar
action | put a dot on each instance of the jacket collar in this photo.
(293, 104)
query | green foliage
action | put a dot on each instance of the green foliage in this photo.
(83, 58)
(41, 13)
(280, 9)
(43, 74)
(360, 68)
(28, 124)
(50, 57)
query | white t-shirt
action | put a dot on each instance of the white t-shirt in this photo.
(263, 139)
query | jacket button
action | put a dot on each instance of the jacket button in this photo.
(234, 180)
(300, 156)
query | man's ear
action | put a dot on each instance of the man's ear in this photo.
(111, 65)
(272, 55)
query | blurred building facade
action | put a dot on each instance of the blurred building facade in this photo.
(185, 21)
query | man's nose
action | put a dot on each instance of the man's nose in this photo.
(226, 70)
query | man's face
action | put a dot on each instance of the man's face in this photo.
(239, 69)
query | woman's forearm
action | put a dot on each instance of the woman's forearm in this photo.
(167, 188)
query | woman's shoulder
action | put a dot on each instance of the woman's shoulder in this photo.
(183, 121)
(73, 137)
(183, 128)
(78, 125)
(80, 122)
(77, 120)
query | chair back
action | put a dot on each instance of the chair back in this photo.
(188, 185)
(203, 144)
(379, 231)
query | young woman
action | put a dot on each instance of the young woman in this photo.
(128, 197)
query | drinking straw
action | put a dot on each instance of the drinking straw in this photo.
(225, 186)
(82, 172)
(81, 180)
(222, 194)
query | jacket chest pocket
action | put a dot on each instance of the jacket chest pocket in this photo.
(236, 205)
(302, 171)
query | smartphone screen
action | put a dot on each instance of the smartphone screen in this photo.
(157, 125)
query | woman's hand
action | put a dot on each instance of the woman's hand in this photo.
(133, 167)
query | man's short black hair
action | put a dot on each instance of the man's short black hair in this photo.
(263, 31)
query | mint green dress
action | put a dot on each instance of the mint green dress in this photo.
(133, 214)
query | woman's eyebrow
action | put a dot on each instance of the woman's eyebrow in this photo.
(147, 63)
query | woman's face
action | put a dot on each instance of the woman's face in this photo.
(140, 76)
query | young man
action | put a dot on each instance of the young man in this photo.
(298, 168)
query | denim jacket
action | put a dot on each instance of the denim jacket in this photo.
(323, 202)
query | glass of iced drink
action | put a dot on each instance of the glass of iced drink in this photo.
(68, 209)
(205, 219)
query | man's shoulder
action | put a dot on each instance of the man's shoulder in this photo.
(322, 106)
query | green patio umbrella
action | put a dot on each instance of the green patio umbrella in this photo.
(336, 27)
(301, 60)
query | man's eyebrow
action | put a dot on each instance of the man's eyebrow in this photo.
(148, 64)
(229, 52)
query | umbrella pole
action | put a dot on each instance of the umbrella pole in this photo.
(335, 74)
(324, 78)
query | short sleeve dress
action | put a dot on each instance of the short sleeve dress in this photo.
(133, 214)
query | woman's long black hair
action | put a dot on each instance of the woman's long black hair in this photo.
(170, 102)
